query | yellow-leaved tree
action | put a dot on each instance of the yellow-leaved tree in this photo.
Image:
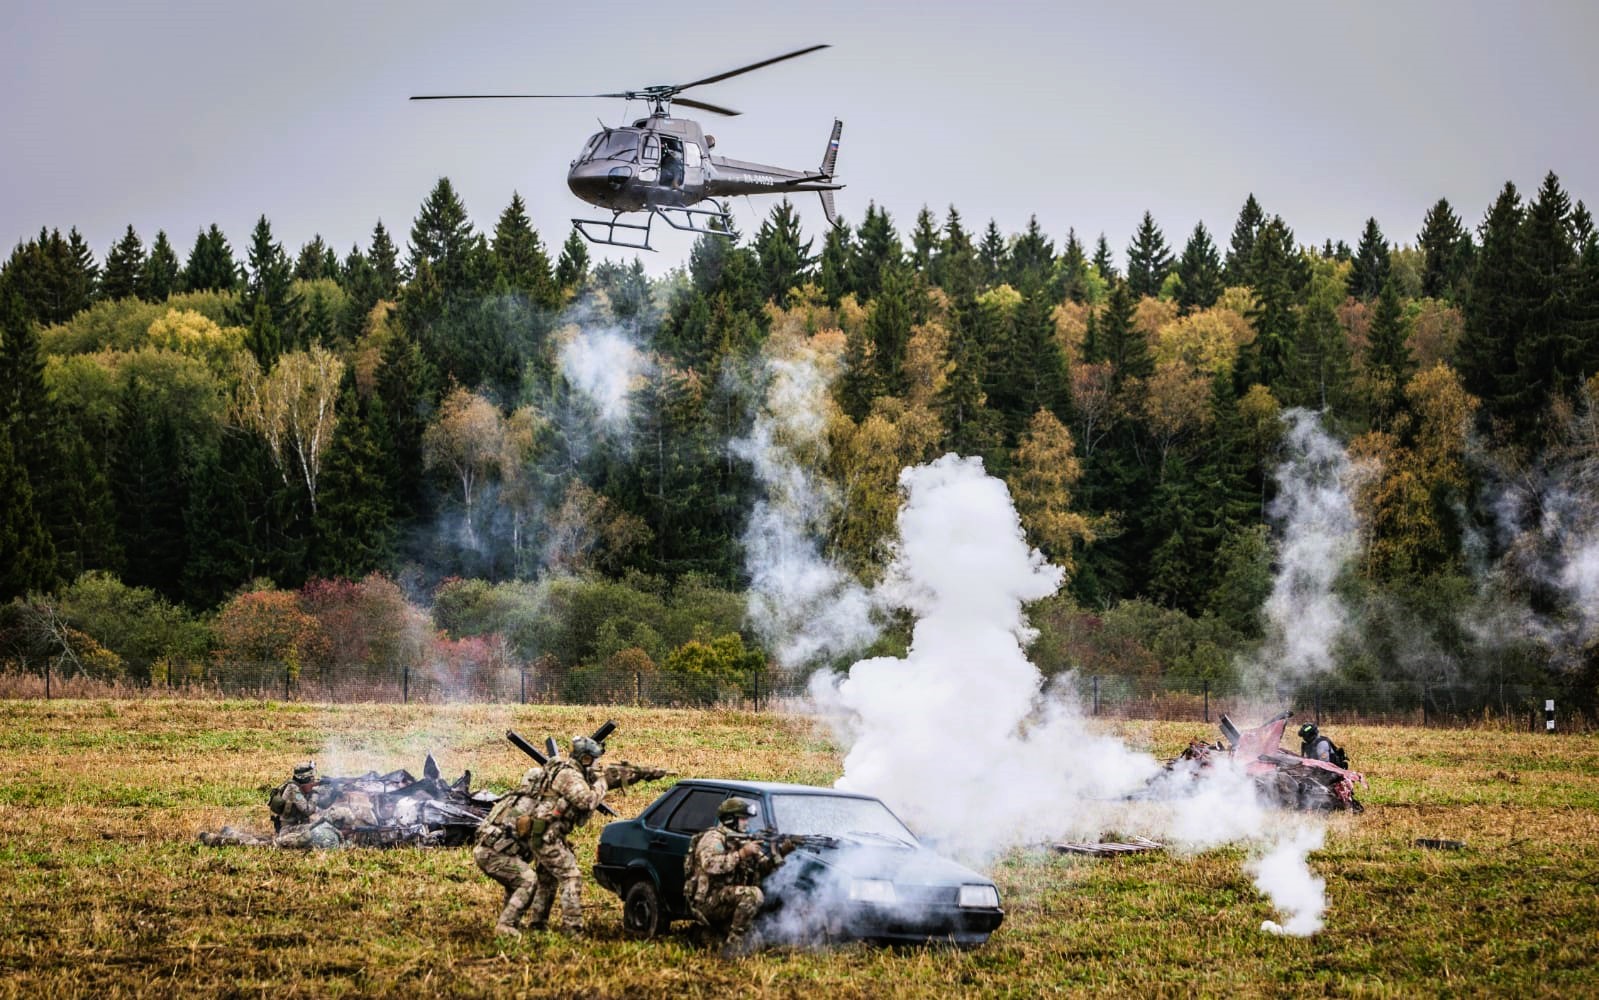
(294, 407)
(1041, 479)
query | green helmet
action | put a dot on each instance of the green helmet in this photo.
(305, 772)
(1308, 732)
(733, 808)
(582, 746)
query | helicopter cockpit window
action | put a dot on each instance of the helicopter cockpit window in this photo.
(652, 149)
(618, 146)
(593, 144)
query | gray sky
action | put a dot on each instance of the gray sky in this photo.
(176, 115)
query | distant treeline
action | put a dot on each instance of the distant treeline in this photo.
(203, 428)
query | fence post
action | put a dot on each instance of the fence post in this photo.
(1207, 700)
(1317, 698)
(1096, 694)
(405, 684)
(638, 687)
(522, 673)
(758, 694)
(1549, 715)
(1424, 703)
(286, 677)
(47, 680)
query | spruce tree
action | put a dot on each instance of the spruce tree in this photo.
(162, 271)
(888, 328)
(83, 274)
(1148, 259)
(519, 255)
(1073, 269)
(354, 526)
(876, 247)
(1556, 336)
(572, 269)
(29, 560)
(1269, 358)
(784, 262)
(832, 273)
(924, 241)
(1241, 251)
(1446, 252)
(150, 494)
(1119, 340)
(123, 264)
(957, 269)
(269, 304)
(313, 261)
(29, 563)
(1103, 263)
(1389, 363)
(1032, 259)
(385, 263)
(1487, 353)
(1199, 273)
(442, 235)
(993, 256)
(1371, 266)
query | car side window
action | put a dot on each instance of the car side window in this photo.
(697, 812)
(656, 815)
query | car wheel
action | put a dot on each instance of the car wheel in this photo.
(641, 910)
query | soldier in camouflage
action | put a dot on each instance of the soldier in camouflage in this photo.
(291, 802)
(569, 794)
(503, 849)
(723, 873)
(295, 821)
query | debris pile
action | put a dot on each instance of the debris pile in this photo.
(1282, 778)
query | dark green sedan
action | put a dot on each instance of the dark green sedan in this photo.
(859, 874)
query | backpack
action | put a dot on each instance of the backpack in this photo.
(1338, 757)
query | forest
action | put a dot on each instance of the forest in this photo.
(335, 462)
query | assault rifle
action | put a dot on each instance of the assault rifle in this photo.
(543, 759)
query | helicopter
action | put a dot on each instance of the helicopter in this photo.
(663, 166)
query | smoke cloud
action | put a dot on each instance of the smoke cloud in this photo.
(806, 608)
(604, 365)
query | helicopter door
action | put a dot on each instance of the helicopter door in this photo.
(692, 174)
(650, 160)
(672, 161)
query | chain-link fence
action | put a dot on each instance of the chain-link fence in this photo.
(1418, 703)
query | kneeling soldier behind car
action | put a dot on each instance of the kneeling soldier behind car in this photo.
(723, 873)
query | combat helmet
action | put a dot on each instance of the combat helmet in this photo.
(304, 772)
(1308, 732)
(734, 808)
(582, 746)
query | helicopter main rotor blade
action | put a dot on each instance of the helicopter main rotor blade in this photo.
(746, 69)
(690, 102)
(491, 97)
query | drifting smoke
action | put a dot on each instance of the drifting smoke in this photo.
(1283, 875)
(805, 607)
(604, 365)
(1320, 536)
(961, 737)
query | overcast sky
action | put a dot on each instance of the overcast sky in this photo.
(177, 115)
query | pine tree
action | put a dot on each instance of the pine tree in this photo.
(385, 262)
(1148, 259)
(1103, 263)
(1554, 344)
(83, 274)
(123, 264)
(993, 256)
(1036, 365)
(1371, 264)
(1199, 273)
(971, 428)
(1119, 340)
(1321, 359)
(783, 261)
(888, 328)
(405, 388)
(1446, 251)
(211, 265)
(162, 272)
(572, 269)
(312, 263)
(442, 235)
(1241, 251)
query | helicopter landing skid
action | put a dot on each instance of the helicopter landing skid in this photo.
(688, 224)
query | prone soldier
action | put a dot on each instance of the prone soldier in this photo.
(723, 873)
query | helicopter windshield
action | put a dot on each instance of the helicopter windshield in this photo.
(616, 145)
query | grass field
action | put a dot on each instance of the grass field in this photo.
(105, 892)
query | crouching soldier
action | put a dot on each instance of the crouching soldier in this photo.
(567, 797)
(722, 876)
(1316, 745)
(503, 850)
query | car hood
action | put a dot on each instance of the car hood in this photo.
(862, 858)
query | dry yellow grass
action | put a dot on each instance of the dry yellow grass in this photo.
(105, 892)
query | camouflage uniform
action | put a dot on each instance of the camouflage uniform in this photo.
(566, 800)
(502, 853)
(723, 872)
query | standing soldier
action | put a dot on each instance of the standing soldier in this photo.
(723, 873)
(503, 850)
(568, 795)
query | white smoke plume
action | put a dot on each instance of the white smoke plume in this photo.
(1320, 535)
(605, 365)
(1285, 878)
(806, 607)
(961, 737)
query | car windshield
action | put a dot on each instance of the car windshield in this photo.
(836, 816)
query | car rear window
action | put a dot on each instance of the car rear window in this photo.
(696, 812)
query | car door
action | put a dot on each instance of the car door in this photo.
(668, 843)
